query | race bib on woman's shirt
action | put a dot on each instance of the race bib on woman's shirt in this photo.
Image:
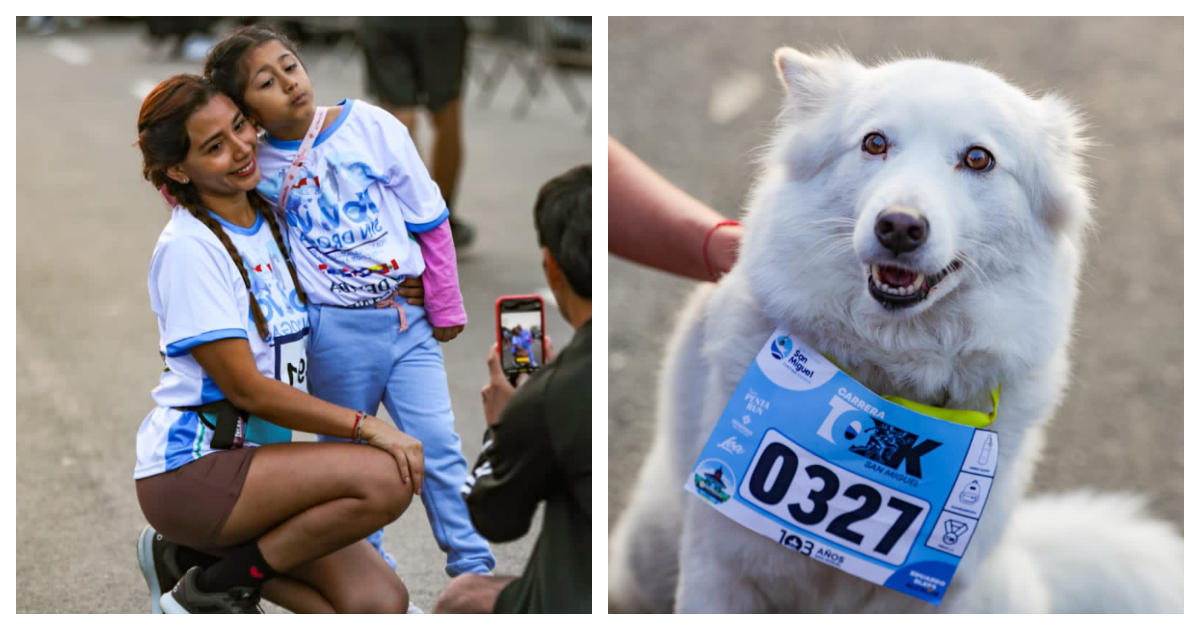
(291, 360)
(808, 457)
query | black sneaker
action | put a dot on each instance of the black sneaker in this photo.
(156, 557)
(187, 598)
(462, 232)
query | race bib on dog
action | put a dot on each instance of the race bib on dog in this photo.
(808, 457)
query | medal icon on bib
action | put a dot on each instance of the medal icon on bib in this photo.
(953, 530)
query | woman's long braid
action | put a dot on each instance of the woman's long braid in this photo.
(269, 214)
(259, 320)
(164, 142)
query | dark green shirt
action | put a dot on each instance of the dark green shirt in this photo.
(541, 450)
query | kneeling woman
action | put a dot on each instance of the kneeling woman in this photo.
(215, 468)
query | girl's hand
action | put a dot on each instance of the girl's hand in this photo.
(413, 289)
(407, 450)
(446, 334)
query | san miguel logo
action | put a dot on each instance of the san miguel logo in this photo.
(781, 347)
(784, 349)
(884, 444)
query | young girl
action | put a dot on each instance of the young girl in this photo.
(286, 519)
(363, 214)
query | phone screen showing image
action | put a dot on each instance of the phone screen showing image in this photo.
(521, 348)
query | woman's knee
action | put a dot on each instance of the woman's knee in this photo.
(383, 489)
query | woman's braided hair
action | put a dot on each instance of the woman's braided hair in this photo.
(163, 139)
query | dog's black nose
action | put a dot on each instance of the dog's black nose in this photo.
(901, 229)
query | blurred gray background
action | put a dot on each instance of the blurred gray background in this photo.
(87, 342)
(695, 97)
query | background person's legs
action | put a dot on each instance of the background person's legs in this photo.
(419, 62)
(441, 61)
(447, 153)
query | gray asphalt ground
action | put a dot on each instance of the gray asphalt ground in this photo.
(695, 97)
(87, 343)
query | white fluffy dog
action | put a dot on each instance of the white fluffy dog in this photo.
(920, 223)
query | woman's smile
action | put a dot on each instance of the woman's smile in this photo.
(247, 170)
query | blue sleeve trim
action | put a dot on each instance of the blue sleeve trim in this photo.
(183, 346)
(417, 228)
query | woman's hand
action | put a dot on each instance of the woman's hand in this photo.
(413, 290)
(407, 450)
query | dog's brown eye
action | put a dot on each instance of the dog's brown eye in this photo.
(979, 159)
(875, 144)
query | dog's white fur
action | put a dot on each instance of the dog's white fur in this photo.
(1003, 318)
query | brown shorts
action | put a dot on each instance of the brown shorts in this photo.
(189, 505)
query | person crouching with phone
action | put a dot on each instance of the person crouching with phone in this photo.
(538, 445)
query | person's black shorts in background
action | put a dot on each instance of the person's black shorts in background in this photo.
(415, 61)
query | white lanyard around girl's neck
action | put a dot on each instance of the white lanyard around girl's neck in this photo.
(314, 130)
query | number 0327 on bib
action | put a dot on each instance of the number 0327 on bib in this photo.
(808, 457)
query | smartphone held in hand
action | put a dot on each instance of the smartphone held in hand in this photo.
(520, 326)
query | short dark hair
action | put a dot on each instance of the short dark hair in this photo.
(563, 216)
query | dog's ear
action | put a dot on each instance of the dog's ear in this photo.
(1065, 189)
(810, 79)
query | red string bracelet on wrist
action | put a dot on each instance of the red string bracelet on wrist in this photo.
(357, 431)
(707, 238)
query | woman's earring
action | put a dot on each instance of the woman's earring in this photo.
(186, 180)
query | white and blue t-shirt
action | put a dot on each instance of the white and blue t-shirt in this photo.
(357, 198)
(199, 296)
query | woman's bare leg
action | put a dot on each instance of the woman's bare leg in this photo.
(296, 596)
(302, 501)
(355, 579)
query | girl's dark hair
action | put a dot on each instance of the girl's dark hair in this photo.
(224, 65)
(163, 139)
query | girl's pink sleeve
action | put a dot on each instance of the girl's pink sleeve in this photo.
(443, 301)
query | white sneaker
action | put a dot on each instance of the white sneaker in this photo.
(413, 610)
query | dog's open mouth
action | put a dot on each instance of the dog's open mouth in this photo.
(897, 287)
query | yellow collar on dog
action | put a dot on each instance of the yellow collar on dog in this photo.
(967, 417)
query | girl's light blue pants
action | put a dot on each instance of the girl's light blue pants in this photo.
(358, 358)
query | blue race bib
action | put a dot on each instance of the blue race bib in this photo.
(810, 458)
